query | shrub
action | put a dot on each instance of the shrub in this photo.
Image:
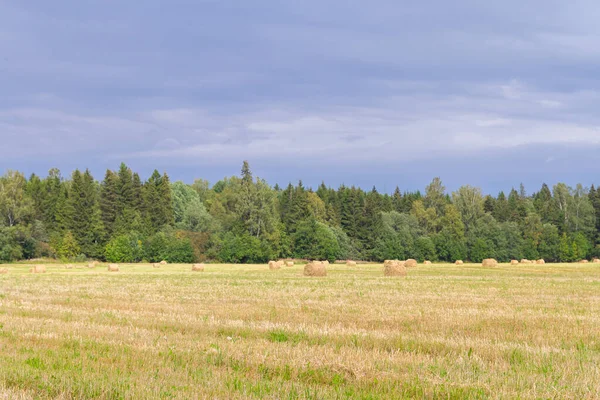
(124, 248)
(168, 247)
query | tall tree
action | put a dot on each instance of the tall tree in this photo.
(15, 205)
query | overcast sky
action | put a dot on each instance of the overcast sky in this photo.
(487, 93)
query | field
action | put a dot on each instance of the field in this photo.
(242, 331)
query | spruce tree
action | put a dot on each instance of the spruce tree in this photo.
(109, 198)
(85, 225)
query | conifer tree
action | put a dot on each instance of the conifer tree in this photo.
(109, 197)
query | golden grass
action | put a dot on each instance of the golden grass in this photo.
(239, 331)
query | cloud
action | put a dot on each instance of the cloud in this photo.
(209, 82)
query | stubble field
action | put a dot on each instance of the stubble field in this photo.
(243, 331)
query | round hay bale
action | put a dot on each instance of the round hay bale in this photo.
(391, 262)
(198, 268)
(596, 260)
(113, 267)
(91, 265)
(3, 270)
(394, 268)
(583, 261)
(163, 262)
(410, 263)
(351, 263)
(540, 261)
(156, 265)
(459, 262)
(326, 262)
(427, 262)
(525, 261)
(489, 262)
(281, 263)
(514, 262)
(38, 269)
(315, 268)
(273, 265)
(289, 263)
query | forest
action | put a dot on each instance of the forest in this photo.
(245, 220)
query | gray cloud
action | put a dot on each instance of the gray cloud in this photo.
(187, 84)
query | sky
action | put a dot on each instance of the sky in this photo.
(386, 93)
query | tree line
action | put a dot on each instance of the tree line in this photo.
(245, 220)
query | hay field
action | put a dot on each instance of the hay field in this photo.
(235, 331)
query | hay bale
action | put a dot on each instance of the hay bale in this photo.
(315, 268)
(351, 263)
(92, 265)
(459, 262)
(38, 269)
(113, 267)
(394, 268)
(273, 265)
(326, 262)
(410, 263)
(489, 262)
(390, 262)
(156, 265)
(163, 262)
(596, 260)
(289, 263)
(79, 266)
(69, 266)
(583, 261)
(427, 262)
(3, 270)
(281, 263)
(514, 262)
(526, 261)
(198, 268)
(540, 261)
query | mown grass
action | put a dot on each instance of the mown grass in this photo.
(242, 331)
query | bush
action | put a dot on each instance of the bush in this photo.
(10, 250)
(448, 247)
(242, 249)
(168, 247)
(315, 240)
(124, 248)
(425, 249)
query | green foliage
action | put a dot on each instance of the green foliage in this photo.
(125, 248)
(450, 247)
(167, 246)
(550, 241)
(242, 248)
(10, 250)
(315, 241)
(69, 248)
(243, 219)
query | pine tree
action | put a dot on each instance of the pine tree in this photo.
(166, 197)
(246, 173)
(158, 202)
(109, 198)
(125, 190)
(397, 201)
(85, 224)
(53, 193)
(501, 211)
(137, 193)
(35, 191)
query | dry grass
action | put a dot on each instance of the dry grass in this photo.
(242, 332)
